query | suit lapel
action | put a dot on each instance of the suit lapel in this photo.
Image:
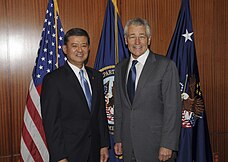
(145, 74)
(72, 79)
(124, 76)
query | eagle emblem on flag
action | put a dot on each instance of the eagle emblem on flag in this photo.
(193, 104)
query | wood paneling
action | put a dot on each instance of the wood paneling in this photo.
(20, 30)
(23, 42)
(5, 108)
(161, 15)
(84, 14)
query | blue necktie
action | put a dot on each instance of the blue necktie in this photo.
(131, 81)
(85, 87)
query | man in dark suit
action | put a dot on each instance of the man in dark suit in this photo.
(147, 100)
(73, 107)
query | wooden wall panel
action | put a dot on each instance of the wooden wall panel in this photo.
(220, 105)
(84, 14)
(5, 122)
(23, 44)
(203, 28)
(20, 30)
(161, 15)
(225, 53)
(203, 32)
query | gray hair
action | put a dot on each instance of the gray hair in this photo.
(138, 22)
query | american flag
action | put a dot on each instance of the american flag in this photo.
(50, 56)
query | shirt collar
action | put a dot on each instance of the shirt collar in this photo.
(141, 59)
(75, 68)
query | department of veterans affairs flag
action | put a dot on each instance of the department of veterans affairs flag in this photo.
(194, 141)
(50, 56)
(111, 50)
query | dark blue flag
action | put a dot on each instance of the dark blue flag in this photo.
(111, 50)
(194, 140)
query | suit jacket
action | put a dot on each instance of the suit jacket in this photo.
(72, 131)
(153, 120)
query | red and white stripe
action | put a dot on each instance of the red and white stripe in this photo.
(185, 121)
(33, 141)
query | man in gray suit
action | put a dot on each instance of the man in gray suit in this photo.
(147, 100)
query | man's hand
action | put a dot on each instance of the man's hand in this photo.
(164, 154)
(118, 149)
(104, 154)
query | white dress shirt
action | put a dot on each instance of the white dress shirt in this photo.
(76, 72)
(139, 66)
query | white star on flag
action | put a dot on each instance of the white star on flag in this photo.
(187, 36)
(38, 76)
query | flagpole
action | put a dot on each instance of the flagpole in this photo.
(116, 32)
(56, 10)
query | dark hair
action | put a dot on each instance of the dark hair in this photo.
(76, 32)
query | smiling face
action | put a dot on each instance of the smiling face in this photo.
(137, 40)
(77, 50)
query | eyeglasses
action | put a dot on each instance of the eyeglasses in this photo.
(140, 38)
